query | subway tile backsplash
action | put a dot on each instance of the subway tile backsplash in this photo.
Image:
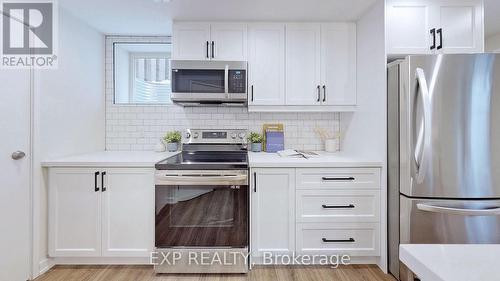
(138, 127)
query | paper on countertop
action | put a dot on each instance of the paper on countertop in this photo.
(297, 153)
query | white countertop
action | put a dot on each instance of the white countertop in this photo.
(452, 262)
(324, 160)
(260, 160)
(138, 159)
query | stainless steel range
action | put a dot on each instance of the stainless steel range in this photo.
(202, 201)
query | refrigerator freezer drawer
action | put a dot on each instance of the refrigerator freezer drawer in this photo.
(425, 221)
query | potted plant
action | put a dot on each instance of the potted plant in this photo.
(256, 140)
(172, 139)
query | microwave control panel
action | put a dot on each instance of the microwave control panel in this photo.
(237, 81)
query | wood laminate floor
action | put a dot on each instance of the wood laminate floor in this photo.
(259, 273)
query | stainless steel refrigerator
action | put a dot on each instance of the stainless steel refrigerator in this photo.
(444, 152)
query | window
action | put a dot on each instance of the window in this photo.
(142, 73)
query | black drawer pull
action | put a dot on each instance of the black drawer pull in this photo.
(338, 179)
(350, 240)
(103, 188)
(350, 206)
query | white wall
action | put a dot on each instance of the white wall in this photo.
(69, 112)
(492, 44)
(365, 131)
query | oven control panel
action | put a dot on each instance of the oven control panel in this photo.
(220, 136)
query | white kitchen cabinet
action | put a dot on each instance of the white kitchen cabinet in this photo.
(128, 213)
(74, 213)
(266, 64)
(338, 64)
(433, 27)
(230, 41)
(272, 211)
(303, 64)
(108, 214)
(461, 25)
(209, 41)
(191, 41)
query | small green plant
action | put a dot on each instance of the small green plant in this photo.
(172, 137)
(255, 138)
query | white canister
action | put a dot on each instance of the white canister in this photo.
(331, 145)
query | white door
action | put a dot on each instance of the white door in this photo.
(272, 216)
(128, 212)
(303, 64)
(408, 28)
(74, 212)
(15, 204)
(461, 24)
(229, 41)
(191, 41)
(266, 64)
(338, 64)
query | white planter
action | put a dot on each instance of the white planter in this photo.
(256, 147)
(172, 146)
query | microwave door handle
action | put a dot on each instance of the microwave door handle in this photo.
(226, 81)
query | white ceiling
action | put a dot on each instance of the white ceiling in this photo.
(492, 17)
(150, 17)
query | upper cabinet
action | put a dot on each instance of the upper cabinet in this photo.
(430, 27)
(291, 66)
(266, 60)
(209, 41)
(303, 45)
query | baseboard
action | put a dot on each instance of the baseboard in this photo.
(353, 260)
(44, 266)
(102, 260)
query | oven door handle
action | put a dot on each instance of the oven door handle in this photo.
(207, 178)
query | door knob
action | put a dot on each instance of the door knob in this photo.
(16, 155)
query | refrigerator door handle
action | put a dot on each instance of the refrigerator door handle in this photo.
(424, 137)
(459, 211)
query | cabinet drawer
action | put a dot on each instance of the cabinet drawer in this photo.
(341, 178)
(338, 205)
(355, 239)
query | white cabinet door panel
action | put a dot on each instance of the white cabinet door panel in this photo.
(303, 64)
(272, 215)
(74, 213)
(461, 26)
(338, 64)
(408, 27)
(266, 64)
(230, 41)
(189, 41)
(128, 212)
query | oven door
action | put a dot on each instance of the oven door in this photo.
(201, 209)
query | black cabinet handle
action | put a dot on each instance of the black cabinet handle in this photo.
(103, 188)
(440, 32)
(324, 93)
(433, 33)
(213, 44)
(350, 240)
(96, 187)
(254, 182)
(350, 206)
(338, 179)
(208, 56)
(319, 93)
(251, 88)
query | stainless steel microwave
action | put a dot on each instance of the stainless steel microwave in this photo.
(209, 83)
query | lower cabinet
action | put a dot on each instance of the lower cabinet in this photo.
(311, 211)
(272, 211)
(101, 212)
